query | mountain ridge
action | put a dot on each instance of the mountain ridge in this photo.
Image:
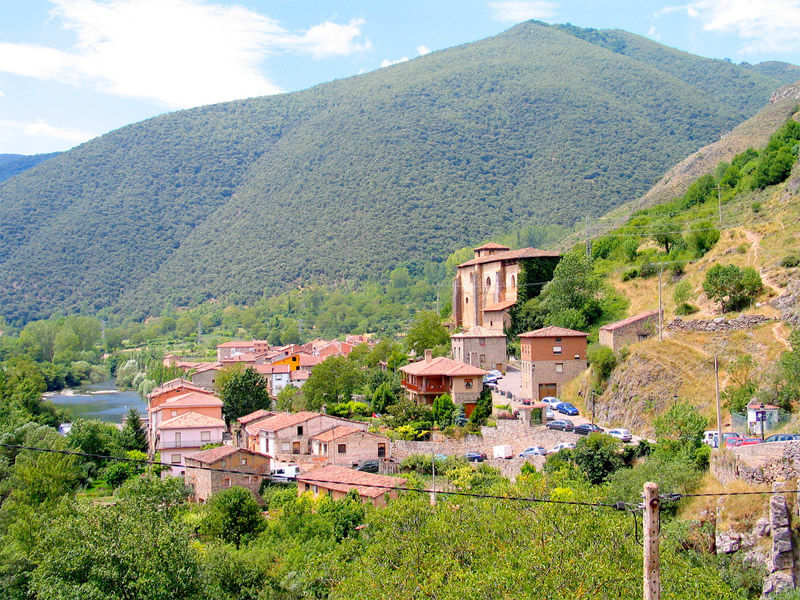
(346, 179)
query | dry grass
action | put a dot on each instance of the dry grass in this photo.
(734, 513)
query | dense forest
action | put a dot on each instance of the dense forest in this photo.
(237, 201)
(13, 164)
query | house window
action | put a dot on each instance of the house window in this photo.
(177, 439)
(483, 358)
(558, 340)
(341, 448)
(468, 384)
(226, 482)
(559, 367)
(488, 282)
(314, 489)
(556, 349)
(381, 450)
(176, 459)
(244, 461)
(174, 413)
(466, 300)
(299, 430)
(482, 342)
(223, 463)
(205, 436)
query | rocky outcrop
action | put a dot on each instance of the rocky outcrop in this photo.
(781, 564)
(787, 303)
(718, 324)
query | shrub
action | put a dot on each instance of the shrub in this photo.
(117, 473)
(731, 286)
(756, 207)
(603, 361)
(685, 309)
(629, 274)
(790, 260)
(598, 456)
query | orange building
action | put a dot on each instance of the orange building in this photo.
(423, 381)
(550, 357)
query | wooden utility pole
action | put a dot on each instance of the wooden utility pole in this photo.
(660, 309)
(720, 441)
(719, 202)
(651, 564)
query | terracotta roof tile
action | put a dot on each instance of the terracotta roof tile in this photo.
(442, 366)
(492, 246)
(335, 433)
(478, 332)
(500, 305)
(284, 420)
(212, 455)
(191, 420)
(510, 255)
(630, 320)
(255, 415)
(342, 479)
(553, 331)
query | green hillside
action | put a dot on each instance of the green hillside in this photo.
(13, 164)
(538, 125)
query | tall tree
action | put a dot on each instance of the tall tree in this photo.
(133, 435)
(427, 332)
(234, 516)
(333, 380)
(242, 391)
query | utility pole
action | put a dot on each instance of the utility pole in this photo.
(433, 479)
(593, 404)
(660, 309)
(651, 565)
(720, 441)
(719, 202)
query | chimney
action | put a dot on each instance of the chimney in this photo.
(428, 355)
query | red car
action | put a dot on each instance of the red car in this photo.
(735, 442)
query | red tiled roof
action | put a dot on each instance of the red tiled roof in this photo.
(552, 331)
(177, 383)
(271, 369)
(307, 360)
(492, 246)
(510, 255)
(299, 375)
(630, 320)
(478, 332)
(212, 455)
(237, 344)
(191, 420)
(191, 399)
(337, 432)
(284, 420)
(342, 479)
(203, 367)
(442, 366)
(500, 305)
(255, 415)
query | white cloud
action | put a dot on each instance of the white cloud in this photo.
(40, 132)
(178, 52)
(514, 11)
(652, 33)
(765, 25)
(423, 50)
(388, 63)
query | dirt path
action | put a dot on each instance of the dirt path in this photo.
(752, 260)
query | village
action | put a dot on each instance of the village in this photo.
(333, 455)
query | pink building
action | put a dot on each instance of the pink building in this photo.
(186, 434)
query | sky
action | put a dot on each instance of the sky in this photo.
(71, 70)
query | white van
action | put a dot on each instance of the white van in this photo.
(288, 473)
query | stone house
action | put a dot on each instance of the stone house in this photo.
(204, 482)
(349, 446)
(336, 482)
(205, 376)
(628, 331)
(485, 287)
(287, 436)
(480, 347)
(229, 351)
(550, 357)
(246, 438)
(430, 377)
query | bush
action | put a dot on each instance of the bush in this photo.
(603, 360)
(629, 274)
(685, 309)
(790, 260)
(732, 287)
(117, 473)
(597, 456)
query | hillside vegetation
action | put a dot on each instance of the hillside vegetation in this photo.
(13, 164)
(538, 125)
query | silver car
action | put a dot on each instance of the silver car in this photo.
(621, 434)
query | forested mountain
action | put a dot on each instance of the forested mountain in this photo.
(540, 124)
(12, 164)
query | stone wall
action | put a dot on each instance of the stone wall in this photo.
(718, 324)
(759, 464)
(629, 334)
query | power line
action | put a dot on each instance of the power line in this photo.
(616, 506)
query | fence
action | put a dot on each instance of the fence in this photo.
(740, 425)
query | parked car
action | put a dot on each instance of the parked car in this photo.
(588, 428)
(711, 438)
(560, 425)
(551, 400)
(369, 466)
(440, 457)
(782, 437)
(565, 408)
(549, 414)
(621, 434)
(491, 384)
(476, 456)
(489, 378)
(735, 442)
(562, 446)
(284, 474)
(496, 374)
(534, 451)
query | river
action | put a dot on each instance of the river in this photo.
(98, 401)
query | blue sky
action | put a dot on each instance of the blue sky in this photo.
(74, 69)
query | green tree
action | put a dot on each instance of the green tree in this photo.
(242, 391)
(133, 436)
(426, 333)
(731, 286)
(287, 398)
(603, 362)
(382, 397)
(570, 299)
(483, 408)
(597, 456)
(233, 515)
(702, 237)
(680, 428)
(443, 409)
(333, 380)
(667, 234)
(38, 340)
